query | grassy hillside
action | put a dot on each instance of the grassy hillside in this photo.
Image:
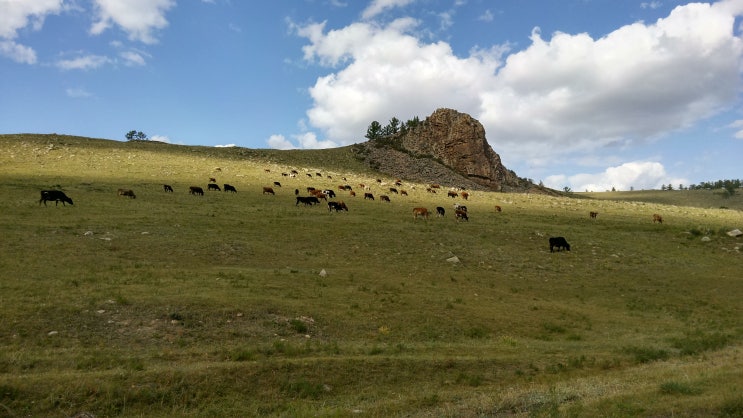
(248, 305)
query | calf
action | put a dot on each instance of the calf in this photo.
(498, 208)
(229, 188)
(127, 192)
(167, 188)
(196, 190)
(212, 180)
(422, 212)
(55, 195)
(268, 190)
(657, 218)
(461, 215)
(593, 215)
(440, 211)
(559, 243)
(213, 186)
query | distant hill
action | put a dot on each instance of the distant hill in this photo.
(707, 199)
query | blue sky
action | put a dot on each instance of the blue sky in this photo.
(589, 94)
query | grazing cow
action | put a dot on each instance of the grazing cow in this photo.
(657, 218)
(337, 206)
(451, 193)
(167, 188)
(309, 175)
(440, 211)
(196, 190)
(268, 190)
(295, 172)
(593, 215)
(384, 198)
(403, 193)
(213, 186)
(318, 174)
(393, 190)
(267, 170)
(212, 180)
(457, 206)
(277, 184)
(435, 186)
(498, 208)
(352, 193)
(422, 212)
(229, 188)
(307, 200)
(559, 243)
(285, 174)
(461, 215)
(55, 195)
(368, 196)
(465, 195)
(126, 192)
(330, 193)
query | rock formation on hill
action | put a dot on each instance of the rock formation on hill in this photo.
(448, 148)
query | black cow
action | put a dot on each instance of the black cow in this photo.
(559, 243)
(440, 211)
(229, 188)
(307, 200)
(55, 195)
(277, 184)
(213, 186)
(337, 206)
(195, 190)
(330, 193)
(168, 188)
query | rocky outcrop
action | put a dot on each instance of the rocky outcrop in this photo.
(448, 147)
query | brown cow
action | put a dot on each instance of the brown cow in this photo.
(593, 215)
(451, 193)
(657, 218)
(268, 190)
(422, 212)
(352, 193)
(403, 193)
(384, 198)
(461, 214)
(498, 208)
(465, 195)
(212, 180)
(196, 190)
(127, 192)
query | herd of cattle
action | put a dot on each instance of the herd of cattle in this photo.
(315, 195)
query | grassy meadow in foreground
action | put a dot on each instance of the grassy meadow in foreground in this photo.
(248, 305)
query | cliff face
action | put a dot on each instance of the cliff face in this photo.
(453, 140)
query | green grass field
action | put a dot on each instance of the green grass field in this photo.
(248, 305)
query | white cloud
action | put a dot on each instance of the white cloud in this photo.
(133, 58)
(78, 93)
(633, 175)
(17, 52)
(738, 126)
(87, 62)
(651, 5)
(17, 15)
(562, 94)
(138, 18)
(279, 142)
(380, 6)
(487, 16)
(160, 138)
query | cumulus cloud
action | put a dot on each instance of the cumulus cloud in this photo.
(632, 175)
(279, 142)
(138, 18)
(563, 93)
(19, 53)
(17, 15)
(380, 6)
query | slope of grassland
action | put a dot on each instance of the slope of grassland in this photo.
(248, 305)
